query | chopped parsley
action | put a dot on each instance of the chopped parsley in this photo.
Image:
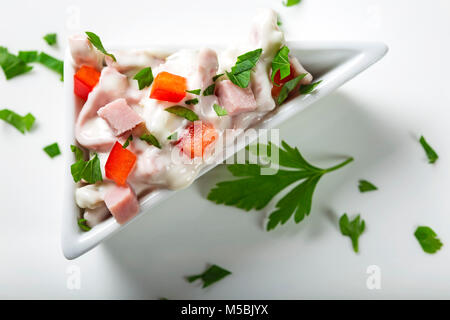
(428, 239)
(87, 170)
(144, 78)
(288, 87)
(83, 226)
(366, 186)
(219, 110)
(173, 136)
(96, 42)
(21, 123)
(52, 63)
(196, 91)
(150, 139)
(191, 101)
(52, 150)
(254, 191)
(50, 38)
(127, 142)
(352, 229)
(12, 65)
(28, 56)
(210, 90)
(289, 3)
(281, 63)
(309, 88)
(210, 276)
(431, 154)
(183, 112)
(241, 72)
(217, 76)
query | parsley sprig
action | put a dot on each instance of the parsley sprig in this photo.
(255, 191)
(352, 228)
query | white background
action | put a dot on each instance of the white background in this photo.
(377, 118)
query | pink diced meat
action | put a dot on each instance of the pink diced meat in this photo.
(122, 203)
(120, 116)
(235, 99)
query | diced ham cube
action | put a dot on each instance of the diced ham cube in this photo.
(120, 116)
(122, 203)
(235, 99)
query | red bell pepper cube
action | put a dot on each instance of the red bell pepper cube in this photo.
(197, 139)
(169, 87)
(84, 80)
(119, 164)
(280, 82)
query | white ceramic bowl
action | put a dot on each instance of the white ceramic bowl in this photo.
(333, 63)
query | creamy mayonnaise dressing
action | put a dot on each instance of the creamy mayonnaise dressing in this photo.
(155, 167)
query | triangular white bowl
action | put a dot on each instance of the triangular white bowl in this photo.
(333, 63)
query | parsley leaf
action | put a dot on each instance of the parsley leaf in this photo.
(289, 3)
(28, 56)
(183, 112)
(308, 88)
(196, 91)
(365, 186)
(50, 38)
(52, 150)
(255, 191)
(127, 142)
(192, 101)
(431, 154)
(219, 110)
(173, 136)
(21, 123)
(428, 239)
(217, 76)
(144, 77)
(96, 42)
(210, 90)
(12, 65)
(52, 63)
(352, 229)
(288, 87)
(150, 139)
(87, 170)
(281, 63)
(82, 224)
(240, 73)
(210, 276)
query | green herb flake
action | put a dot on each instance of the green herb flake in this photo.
(87, 170)
(431, 154)
(82, 223)
(289, 3)
(288, 87)
(210, 90)
(150, 139)
(217, 76)
(50, 38)
(96, 42)
(28, 56)
(428, 239)
(21, 123)
(366, 186)
(144, 78)
(210, 276)
(127, 142)
(12, 65)
(241, 72)
(52, 63)
(309, 88)
(173, 136)
(196, 91)
(191, 101)
(280, 63)
(254, 191)
(219, 110)
(52, 150)
(183, 112)
(353, 229)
